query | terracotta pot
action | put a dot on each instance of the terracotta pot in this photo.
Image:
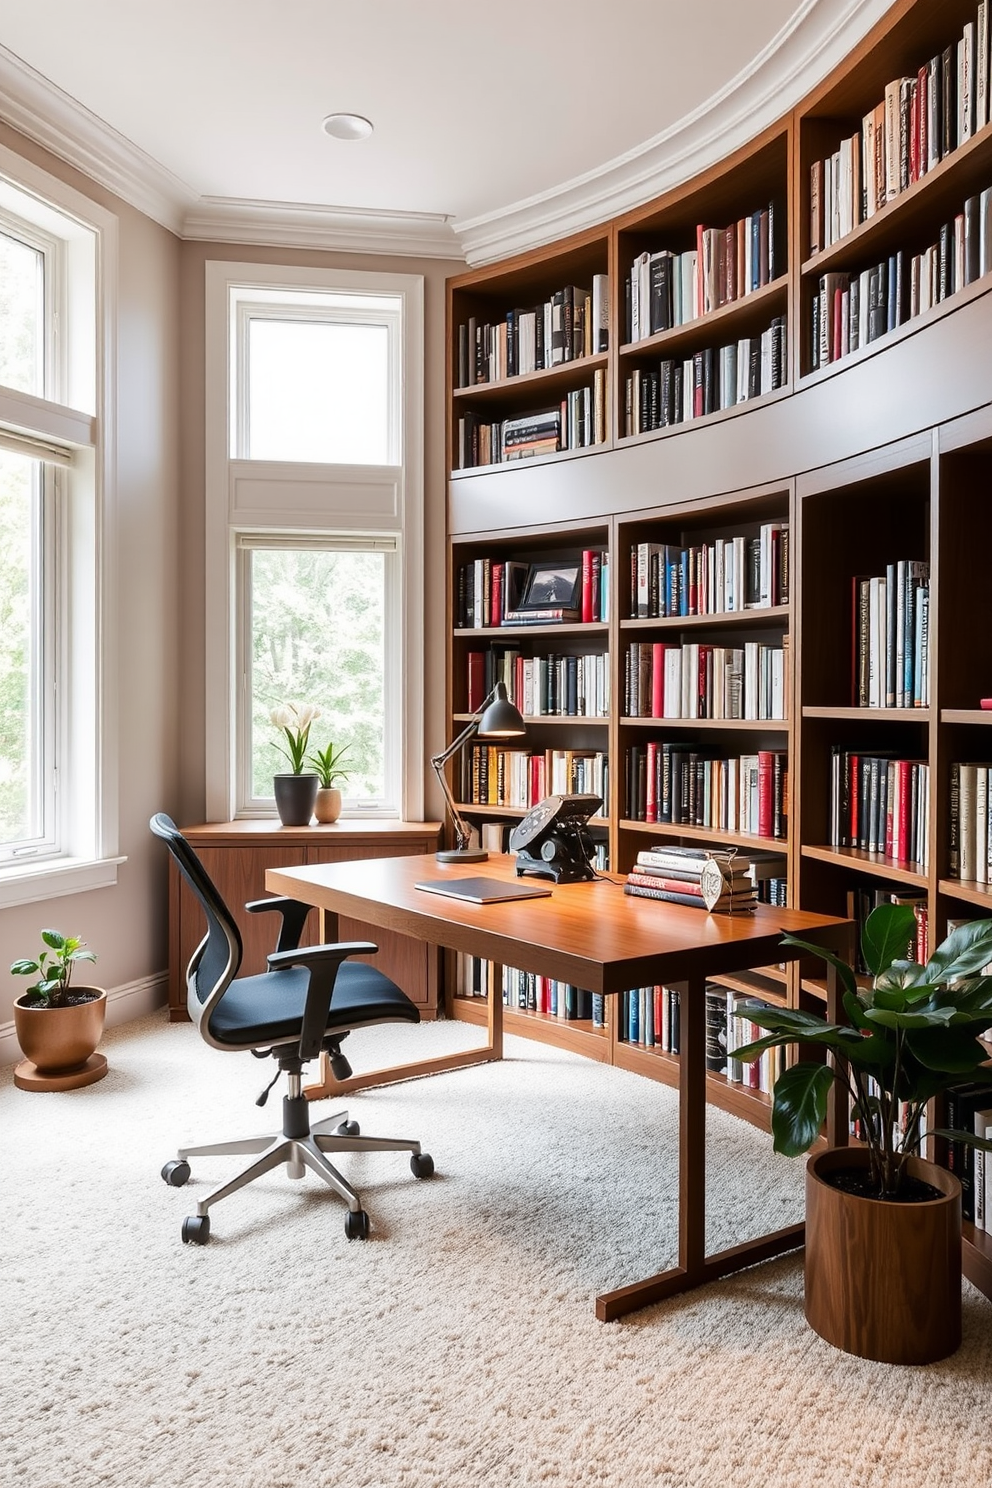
(295, 795)
(327, 807)
(59, 1040)
(883, 1279)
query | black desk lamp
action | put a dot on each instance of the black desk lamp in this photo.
(496, 719)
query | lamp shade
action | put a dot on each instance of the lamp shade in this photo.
(500, 718)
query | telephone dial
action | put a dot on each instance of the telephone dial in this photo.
(553, 840)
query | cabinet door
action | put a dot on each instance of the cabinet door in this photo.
(410, 963)
(239, 874)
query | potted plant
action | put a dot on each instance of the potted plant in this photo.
(883, 1227)
(295, 791)
(327, 763)
(58, 1023)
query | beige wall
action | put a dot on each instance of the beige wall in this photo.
(126, 925)
(194, 257)
(160, 574)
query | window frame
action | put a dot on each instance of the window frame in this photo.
(307, 501)
(73, 426)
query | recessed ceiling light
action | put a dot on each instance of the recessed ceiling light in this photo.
(347, 126)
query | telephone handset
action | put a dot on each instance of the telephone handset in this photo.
(553, 840)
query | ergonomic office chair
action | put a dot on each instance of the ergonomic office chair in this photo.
(310, 998)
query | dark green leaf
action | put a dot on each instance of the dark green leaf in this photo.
(846, 974)
(800, 1107)
(24, 968)
(886, 935)
(749, 1052)
(949, 1051)
(53, 938)
(892, 1018)
(965, 951)
(855, 1010)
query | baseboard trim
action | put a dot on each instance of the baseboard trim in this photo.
(124, 1004)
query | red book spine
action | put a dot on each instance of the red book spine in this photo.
(476, 680)
(914, 135)
(854, 786)
(651, 793)
(497, 595)
(597, 586)
(766, 767)
(900, 837)
(518, 681)
(922, 111)
(890, 819)
(587, 599)
(672, 885)
(658, 679)
(838, 313)
(659, 1014)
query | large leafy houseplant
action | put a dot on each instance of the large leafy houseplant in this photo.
(912, 1034)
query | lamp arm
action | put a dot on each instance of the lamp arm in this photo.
(462, 832)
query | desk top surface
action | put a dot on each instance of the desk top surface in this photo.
(590, 934)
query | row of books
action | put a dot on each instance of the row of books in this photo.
(491, 592)
(494, 836)
(728, 575)
(666, 289)
(879, 804)
(651, 1017)
(686, 875)
(852, 310)
(577, 422)
(969, 1108)
(528, 992)
(700, 680)
(891, 634)
(675, 783)
(969, 835)
(542, 686)
(919, 122)
(715, 378)
(574, 322)
(496, 776)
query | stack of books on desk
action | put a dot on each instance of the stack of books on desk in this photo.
(675, 875)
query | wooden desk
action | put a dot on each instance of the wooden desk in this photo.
(596, 937)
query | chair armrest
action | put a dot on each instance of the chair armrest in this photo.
(322, 962)
(294, 917)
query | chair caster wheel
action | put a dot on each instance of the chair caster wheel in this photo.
(348, 1129)
(176, 1172)
(421, 1165)
(356, 1224)
(196, 1229)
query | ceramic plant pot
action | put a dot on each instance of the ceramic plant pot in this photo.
(295, 797)
(883, 1279)
(60, 1040)
(328, 804)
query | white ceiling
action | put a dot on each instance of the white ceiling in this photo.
(475, 107)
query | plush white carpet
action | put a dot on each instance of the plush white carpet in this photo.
(458, 1345)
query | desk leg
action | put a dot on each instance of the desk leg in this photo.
(327, 1087)
(694, 1267)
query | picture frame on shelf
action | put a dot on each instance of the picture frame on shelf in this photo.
(549, 583)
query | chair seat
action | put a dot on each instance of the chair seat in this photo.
(259, 1010)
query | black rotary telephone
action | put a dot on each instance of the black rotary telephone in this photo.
(553, 840)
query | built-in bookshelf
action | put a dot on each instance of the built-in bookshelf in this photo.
(841, 523)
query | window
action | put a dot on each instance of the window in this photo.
(317, 631)
(314, 529)
(57, 804)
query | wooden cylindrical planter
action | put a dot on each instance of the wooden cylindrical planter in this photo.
(883, 1280)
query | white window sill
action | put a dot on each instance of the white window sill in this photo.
(27, 883)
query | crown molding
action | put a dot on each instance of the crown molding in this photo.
(221, 219)
(42, 112)
(816, 39)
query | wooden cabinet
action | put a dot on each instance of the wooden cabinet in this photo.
(236, 856)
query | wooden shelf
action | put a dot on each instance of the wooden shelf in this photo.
(982, 717)
(968, 890)
(585, 628)
(704, 834)
(877, 864)
(514, 813)
(704, 421)
(521, 391)
(750, 311)
(756, 618)
(534, 720)
(720, 725)
(870, 715)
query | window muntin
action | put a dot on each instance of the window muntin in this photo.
(317, 629)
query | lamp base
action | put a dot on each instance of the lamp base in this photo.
(462, 855)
